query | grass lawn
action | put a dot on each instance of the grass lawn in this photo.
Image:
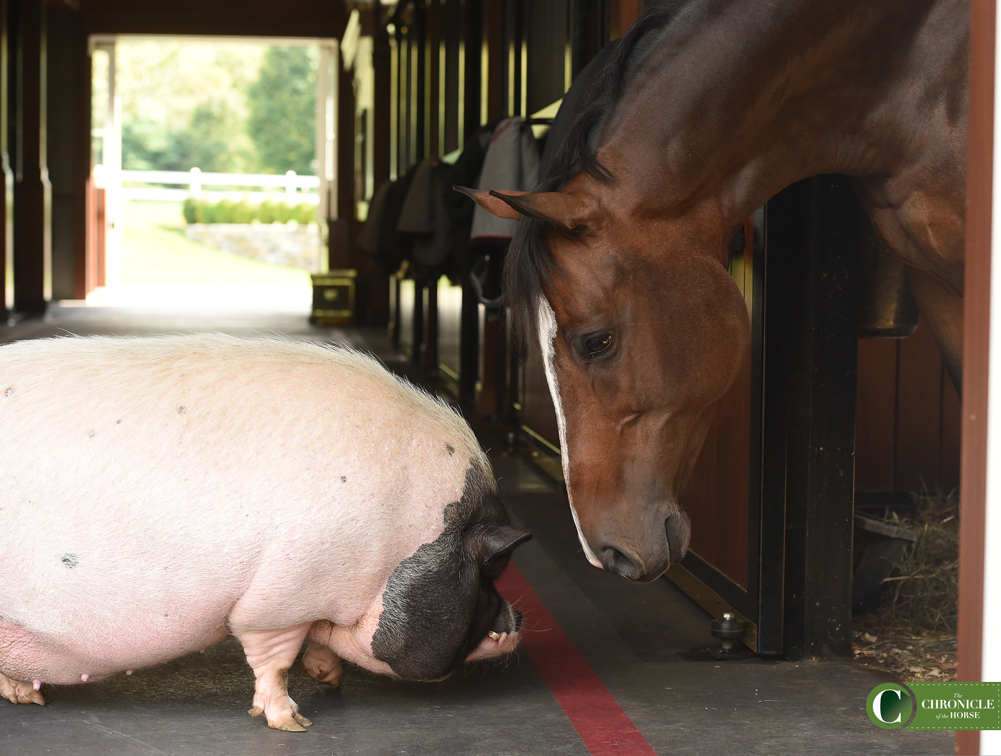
(155, 251)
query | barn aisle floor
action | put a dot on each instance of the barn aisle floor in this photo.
(632, 669)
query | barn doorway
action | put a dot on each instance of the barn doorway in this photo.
(212, 171)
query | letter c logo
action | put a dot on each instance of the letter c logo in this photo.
(889, 711)
(877, 706)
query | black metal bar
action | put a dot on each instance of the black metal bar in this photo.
(469, 344)
(472, 36)
(417, 326)
(418, 40)
(589, 31)
(6, 170)
(809, 414)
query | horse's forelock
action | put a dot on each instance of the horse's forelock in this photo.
(527, 269)
(529, 264)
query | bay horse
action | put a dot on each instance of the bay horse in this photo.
(705, 110)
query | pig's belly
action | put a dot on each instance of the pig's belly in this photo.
(26, 655)
(71, 607)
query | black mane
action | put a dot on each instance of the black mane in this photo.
(529, 261)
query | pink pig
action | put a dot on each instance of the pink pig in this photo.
(159, 494)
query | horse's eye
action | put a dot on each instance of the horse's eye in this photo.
(597, 343)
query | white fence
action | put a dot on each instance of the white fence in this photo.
(291, 187)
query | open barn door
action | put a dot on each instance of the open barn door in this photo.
(326, 135)
(192, 134)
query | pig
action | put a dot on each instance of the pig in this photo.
(160, 494)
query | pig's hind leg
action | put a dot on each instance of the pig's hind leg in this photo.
(19, 655)
(270, 653)
(17, 691)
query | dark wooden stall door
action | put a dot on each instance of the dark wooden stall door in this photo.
(722, 498)
(771, 498)
(716, 497)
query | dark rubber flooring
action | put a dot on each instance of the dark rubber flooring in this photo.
(648, 644)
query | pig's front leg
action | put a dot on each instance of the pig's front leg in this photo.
(322, 664)
(270, 653)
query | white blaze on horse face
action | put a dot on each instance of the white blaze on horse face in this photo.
(547, 334)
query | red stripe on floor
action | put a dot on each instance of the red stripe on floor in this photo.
(594, 713)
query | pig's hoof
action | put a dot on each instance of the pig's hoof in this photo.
(299, 723)
(19, 692)
(322, 664)
(290, 721)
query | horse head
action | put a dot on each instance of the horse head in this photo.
(641, 330)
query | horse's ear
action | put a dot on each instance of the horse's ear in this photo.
(567, 211)
(495, 205)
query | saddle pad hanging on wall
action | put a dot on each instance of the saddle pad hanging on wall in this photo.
(511, 162)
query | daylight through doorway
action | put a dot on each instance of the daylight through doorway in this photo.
(213, 169)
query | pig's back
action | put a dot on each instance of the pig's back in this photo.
(149, 484)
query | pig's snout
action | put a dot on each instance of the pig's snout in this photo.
(502, 637)
(508, 620)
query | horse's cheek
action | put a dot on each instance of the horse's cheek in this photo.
(725, 336)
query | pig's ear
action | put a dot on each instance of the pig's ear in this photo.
(497, 542)
(504, 540)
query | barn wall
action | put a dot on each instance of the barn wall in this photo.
(908, 417)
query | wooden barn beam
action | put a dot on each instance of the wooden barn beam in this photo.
(976, 338)
(32, 191)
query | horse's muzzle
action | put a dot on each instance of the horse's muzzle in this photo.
(646, 567)
(631, 566)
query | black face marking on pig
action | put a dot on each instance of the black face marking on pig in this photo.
(70, 560)
(344, 479)
(449, 449)
(90, 434)
(440, 602)
(8, 392)
(181, 410)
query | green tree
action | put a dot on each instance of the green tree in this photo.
(208, 142)
(183, 104)
(282, 110)
(148, 146)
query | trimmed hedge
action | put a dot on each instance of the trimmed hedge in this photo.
(227, 211)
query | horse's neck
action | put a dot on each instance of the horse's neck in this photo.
(740, 98)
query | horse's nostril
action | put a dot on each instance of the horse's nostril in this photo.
(620, 564)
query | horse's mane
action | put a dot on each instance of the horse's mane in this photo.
(529, 261)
